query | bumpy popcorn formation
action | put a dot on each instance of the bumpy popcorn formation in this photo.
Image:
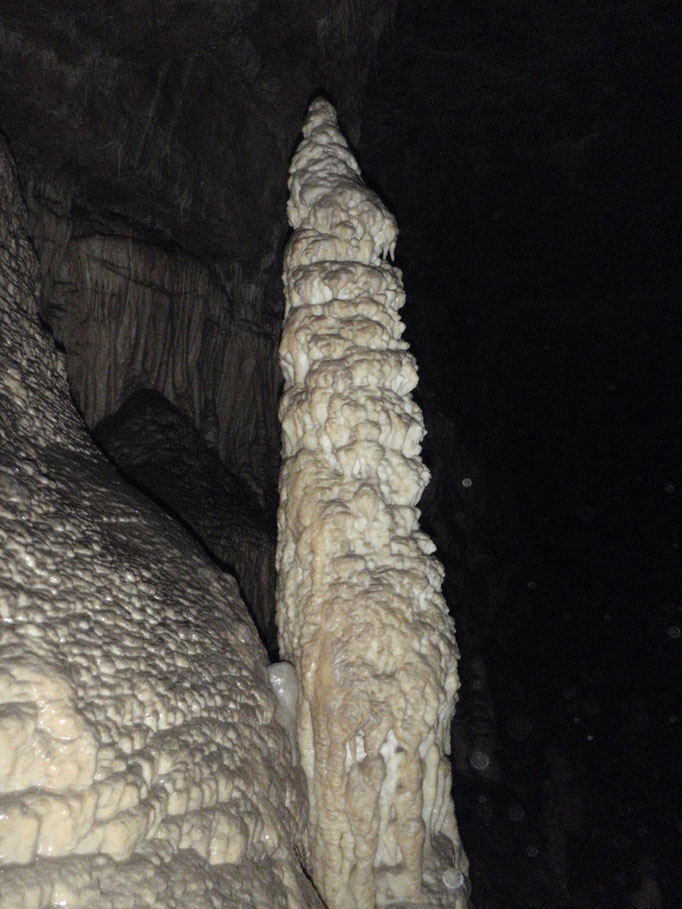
(141, 763)
(360, 613)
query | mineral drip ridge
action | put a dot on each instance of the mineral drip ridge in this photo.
(359, 608)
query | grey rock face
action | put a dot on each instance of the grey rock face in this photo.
(180, 116)
(156, 445)
(140, 763)
(133, 314)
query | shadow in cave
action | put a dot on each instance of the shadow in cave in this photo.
(157, 449)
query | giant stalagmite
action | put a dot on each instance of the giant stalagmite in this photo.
(360, 613)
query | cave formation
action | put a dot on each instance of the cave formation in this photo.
(523, 151)
(119, 709)
(359, 609)
(137, 727)
(149, 752)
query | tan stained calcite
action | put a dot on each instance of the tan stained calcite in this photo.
(360, 613)
(141, 763)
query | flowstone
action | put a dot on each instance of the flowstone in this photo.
(140, 760)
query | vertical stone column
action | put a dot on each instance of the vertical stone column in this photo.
(360, 613)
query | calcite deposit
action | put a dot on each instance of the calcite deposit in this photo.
(154, 444)
(141, 763)
(360, 613)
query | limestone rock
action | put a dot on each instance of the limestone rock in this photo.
(132, 314)
(140, 763)
(154, 444)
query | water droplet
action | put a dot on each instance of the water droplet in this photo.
(453, 879)
(590, 738)
(576, 720)
(532, 851)
(607, 617)
(459, 515)
(466, 482)
(532, 585)
(669, 488)
(479, 760)
(672, 718)
(674, 631)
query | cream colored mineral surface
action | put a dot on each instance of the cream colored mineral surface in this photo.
(140, 760)
(360, 613)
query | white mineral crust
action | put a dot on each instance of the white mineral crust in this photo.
(141, 763)
(360, 613)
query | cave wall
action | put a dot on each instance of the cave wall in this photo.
(180, 116)
(135, 314)
(140, 761)
(158, 448)
(152, 141)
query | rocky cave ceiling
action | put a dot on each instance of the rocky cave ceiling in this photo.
(180, 116)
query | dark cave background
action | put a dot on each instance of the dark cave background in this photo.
(536, 179)
(531, 154)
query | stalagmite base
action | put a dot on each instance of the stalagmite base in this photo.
(360, 613)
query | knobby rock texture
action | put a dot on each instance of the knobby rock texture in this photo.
(360, 613)
(157, 447)
(140, 762)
